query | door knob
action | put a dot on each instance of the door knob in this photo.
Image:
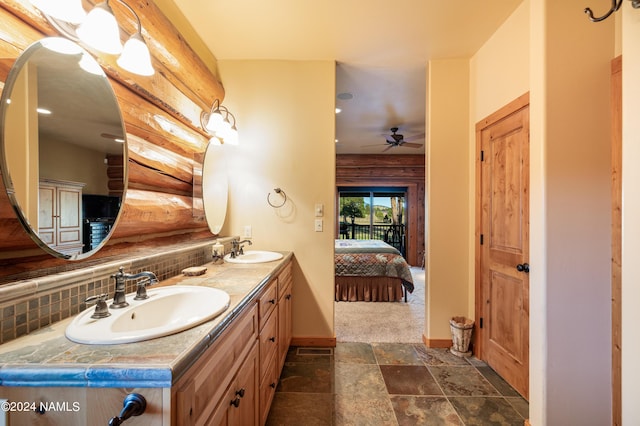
(523, 267)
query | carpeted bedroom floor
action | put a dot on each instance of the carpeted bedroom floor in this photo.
(383, 322)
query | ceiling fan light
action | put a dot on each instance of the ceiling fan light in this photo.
(100, 30)
(136, 57)
(65, 10)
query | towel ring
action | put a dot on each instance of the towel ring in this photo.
(277, 191)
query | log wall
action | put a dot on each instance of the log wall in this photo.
(158, 205)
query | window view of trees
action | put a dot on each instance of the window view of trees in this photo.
(373, 215)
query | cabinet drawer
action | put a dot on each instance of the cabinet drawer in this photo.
(269, 339)
(267, 302)
(284, 279)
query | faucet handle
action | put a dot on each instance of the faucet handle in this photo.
(102, 310)
(141, 292)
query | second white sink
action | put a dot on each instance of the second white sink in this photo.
(168, 310)
(254, 256)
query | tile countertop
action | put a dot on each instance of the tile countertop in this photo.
(47, 358)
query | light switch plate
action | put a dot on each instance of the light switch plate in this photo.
(319, 210)
(318, 225)
(246, 232)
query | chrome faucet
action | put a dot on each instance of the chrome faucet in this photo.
(119, 300)
(236, 247)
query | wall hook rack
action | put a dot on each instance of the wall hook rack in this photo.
(615, 6)
(281, 193)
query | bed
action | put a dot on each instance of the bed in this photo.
(370, 271)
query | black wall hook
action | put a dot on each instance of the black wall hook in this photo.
(615, 6)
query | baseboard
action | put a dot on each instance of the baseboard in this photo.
(314, 342)
(436, 343)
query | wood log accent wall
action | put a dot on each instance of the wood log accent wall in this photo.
(162, 121)
(401, 171)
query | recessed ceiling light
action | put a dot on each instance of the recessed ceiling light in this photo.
(345, 96)
(338, 110)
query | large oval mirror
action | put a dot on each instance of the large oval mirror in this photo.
(215, 189)
(63, 148)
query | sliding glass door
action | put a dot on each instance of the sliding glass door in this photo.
(373, 214)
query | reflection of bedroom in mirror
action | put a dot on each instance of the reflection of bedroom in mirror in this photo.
(64, 148)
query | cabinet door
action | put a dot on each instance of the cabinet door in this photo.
(69, 216)
(239, 404)
(284, 324)
(243, 407)
(47, 214)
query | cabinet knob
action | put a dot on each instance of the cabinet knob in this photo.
(273, 385)
(236, 402)
(240, 392)
(272, 301)
(272, 339)
(288, 296)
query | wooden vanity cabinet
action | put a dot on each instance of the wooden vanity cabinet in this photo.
(275, 335)
(207, 393)
(285, 300)
(234, 381)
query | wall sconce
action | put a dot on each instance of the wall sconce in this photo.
(218, 122)
(615, 5)
(99, 30)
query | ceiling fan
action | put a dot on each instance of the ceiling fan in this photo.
(396, 139)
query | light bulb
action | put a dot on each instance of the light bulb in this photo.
(100, 30)
(215, 121)
(136, 57)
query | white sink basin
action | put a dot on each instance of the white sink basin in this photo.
(254, 256)
(168, 310)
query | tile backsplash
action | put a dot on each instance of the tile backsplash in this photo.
(30, 304)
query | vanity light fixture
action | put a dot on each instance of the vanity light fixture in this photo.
(218, 122)
(99, 30)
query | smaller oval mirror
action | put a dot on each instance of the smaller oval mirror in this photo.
(63, 148)
(215, 188)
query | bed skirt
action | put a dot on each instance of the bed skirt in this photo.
(368, 289)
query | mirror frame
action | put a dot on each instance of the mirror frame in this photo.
(12, 76)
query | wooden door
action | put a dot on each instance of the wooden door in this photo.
(503, 296)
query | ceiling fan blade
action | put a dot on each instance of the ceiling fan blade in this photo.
(391, 140)
(415, 137)
(412, 145)
(388, 148)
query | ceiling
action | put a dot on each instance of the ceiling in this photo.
(381, 49)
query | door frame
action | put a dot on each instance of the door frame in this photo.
(513, 106)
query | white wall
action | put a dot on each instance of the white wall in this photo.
(286, 125)
(630, 214)
(570, 216)
(448, 206)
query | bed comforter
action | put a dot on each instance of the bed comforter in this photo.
(372, 258)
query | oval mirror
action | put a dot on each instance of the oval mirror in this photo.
(63, 148)
(215, 189)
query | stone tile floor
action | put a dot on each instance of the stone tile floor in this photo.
(397, 384)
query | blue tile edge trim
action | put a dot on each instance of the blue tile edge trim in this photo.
(38, 376)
